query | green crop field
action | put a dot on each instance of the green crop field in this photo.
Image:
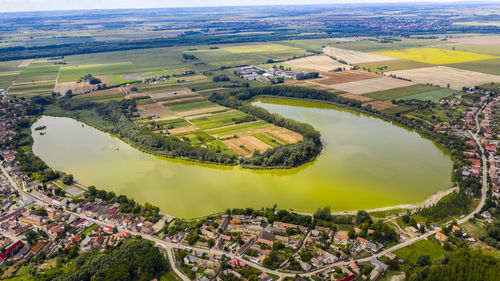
(218, 120)
(73, 73)
(434, 95)
(191, 106)
(6, 80)
(10, 65)
(231, 130)
(38, 74)
(484, 66)
(33, 88)
(400, 92)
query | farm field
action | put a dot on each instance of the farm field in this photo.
(379, 105)
(354, 57)
(474, 48)
(356, 97)
(400, 92)
(484, 66)
(392, 65)
(434, 55)
(480, 40)
(315, 63)
(103, 95)
(372, 46)
(434, 95)
(372, 85)
(192, 118)
(40, 88)
(331, 78)
(444, 75)
(247, 54)
(74, 86)
(32, 74)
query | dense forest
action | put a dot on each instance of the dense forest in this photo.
(453, 204)
(135, 260)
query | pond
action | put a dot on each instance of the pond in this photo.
(367, 163)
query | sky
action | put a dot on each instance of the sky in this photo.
(47, 5)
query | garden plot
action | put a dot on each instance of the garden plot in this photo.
(75, 87)
(316, 63)
(372, 85)
(152, 109)
(444, 76)
(354, 57)
(170, 94)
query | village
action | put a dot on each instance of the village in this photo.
(44, 218)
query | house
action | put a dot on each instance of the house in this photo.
(237, 263)
(441, 237)
(421, 225)
(455, 228)
(34, 250)
(107, 229)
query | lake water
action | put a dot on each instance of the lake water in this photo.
(367, 163)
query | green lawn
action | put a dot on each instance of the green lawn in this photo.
(400, 92)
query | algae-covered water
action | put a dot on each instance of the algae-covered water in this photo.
(367, 163)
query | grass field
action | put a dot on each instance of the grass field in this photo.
(423, 247)
(400, 92)
(75, 72)
(434, 95)
(434, 55)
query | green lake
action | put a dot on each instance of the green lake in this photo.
(367, 163)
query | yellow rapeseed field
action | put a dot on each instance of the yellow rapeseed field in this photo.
(434, 55)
